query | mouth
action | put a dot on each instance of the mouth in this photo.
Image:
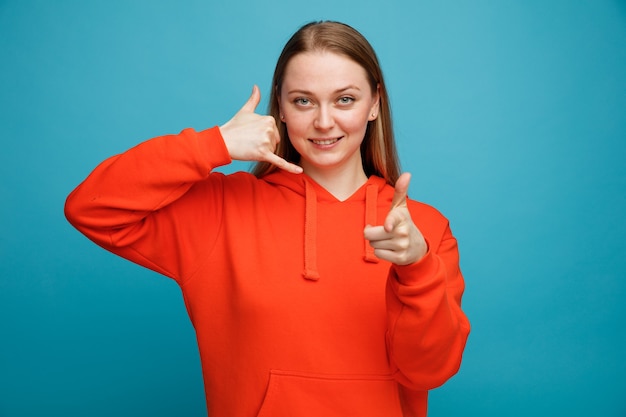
(325, 142)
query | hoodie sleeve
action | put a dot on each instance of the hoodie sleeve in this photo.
(427, 328)
(142, 204)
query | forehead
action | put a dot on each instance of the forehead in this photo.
(323, 70)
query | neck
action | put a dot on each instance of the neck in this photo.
(341, 181)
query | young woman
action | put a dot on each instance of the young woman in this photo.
(316, 288)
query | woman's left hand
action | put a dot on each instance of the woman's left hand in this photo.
(398, 240)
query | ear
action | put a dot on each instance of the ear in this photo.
(375, 108)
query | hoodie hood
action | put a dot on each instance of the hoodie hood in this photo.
(313, 193)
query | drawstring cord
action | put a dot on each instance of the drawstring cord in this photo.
(371, 198)
(310, 233)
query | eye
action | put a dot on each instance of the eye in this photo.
(346, 100)
(302, 101)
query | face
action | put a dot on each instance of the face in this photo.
(326, 103)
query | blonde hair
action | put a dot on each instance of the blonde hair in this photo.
(378, 150)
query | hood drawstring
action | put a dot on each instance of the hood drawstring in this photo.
(310, 228)
(310, 233)
(371, 198)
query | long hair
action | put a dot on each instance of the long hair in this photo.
(378, 150)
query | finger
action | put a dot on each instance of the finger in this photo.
(386, 244)
(401, 190)
(375, 233)
(283, 164)
(252, 102)
(393, 219)
(391, 256)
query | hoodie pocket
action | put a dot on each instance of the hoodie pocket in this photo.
(300, 394)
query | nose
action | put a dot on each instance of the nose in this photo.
(324, 119)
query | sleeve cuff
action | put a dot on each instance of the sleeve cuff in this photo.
(420, 272)
(213, 147)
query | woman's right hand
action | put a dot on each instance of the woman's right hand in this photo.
(251, 137)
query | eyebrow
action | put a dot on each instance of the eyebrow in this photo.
(338, 91)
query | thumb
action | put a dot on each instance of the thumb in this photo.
(252, 102)
(402, 187)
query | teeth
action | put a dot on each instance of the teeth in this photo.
(325, 142)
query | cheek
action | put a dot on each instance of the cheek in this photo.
(298, 124)
(354, 122)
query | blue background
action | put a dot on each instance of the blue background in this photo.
(510, 115)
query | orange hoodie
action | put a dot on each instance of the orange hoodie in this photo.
(293, 313)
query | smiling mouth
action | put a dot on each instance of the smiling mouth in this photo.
(325, 141)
